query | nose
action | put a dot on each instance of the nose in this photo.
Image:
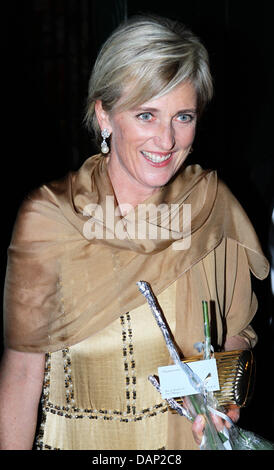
(165, 138)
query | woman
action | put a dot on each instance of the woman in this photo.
(80, 245)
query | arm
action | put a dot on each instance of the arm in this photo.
(21, 380)
(236, 342)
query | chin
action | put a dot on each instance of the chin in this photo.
(159, 182)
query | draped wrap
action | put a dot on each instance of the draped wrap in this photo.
(63, 285)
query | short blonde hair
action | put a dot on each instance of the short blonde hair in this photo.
(154, 55)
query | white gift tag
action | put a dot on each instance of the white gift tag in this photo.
(174, 381)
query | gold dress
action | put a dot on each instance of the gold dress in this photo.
(97, 394)
(76, 300)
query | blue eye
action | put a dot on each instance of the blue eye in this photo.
(185, 117)
(145, 116)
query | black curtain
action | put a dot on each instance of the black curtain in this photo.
(47, 50)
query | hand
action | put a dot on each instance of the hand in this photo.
(233, 412)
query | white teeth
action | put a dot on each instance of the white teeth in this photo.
(155, 158)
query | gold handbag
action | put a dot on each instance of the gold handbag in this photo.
(236, 372)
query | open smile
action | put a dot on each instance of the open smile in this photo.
(156, 158)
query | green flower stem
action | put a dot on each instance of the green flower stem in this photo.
(195, 405)
(207, 332)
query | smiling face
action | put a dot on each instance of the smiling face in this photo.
(150, 142)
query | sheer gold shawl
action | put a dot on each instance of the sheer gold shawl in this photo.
(61, 286)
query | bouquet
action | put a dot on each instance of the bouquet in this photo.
(203, 402)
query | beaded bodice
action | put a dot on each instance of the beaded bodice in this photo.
(97, 395)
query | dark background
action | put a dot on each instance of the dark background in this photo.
(47, 51)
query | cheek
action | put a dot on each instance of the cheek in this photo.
(128, 138)
(118, 132)
(186, 138)
(192, 133)
(121, 132)
(117, 138)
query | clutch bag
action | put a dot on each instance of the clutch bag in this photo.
(236, 372)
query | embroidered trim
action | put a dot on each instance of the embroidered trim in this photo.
(44, 400)
(68, 379)
(129, 364)
(70, 411)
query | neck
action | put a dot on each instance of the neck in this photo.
(129, 196)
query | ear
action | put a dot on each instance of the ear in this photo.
(102, 116)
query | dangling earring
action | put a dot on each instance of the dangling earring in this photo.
(104, 146)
